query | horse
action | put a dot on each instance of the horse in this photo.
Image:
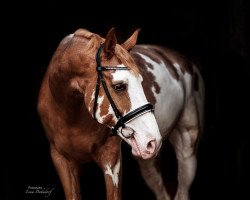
(97, 93)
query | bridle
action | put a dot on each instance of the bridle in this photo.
(122, 120)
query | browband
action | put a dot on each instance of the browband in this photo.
(100, 80)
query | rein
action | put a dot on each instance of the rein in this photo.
(121, 119)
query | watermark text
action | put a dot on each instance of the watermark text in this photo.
(39, 190)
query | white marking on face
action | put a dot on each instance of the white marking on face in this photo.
(92, 99)
(145, 126)
(114, 173)
(98, 111)
(93, 95)
(110, 112)
(135, 90)
(100, 118)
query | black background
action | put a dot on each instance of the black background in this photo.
(214, 33)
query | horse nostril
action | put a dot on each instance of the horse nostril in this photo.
(151, 146)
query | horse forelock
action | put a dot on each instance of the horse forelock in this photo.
(126, 59)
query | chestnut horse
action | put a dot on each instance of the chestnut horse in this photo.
(95, 88)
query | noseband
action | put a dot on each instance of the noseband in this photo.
(121, 119)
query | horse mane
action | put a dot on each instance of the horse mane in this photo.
(94, 41)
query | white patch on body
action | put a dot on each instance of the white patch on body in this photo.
(178, 69)
(114, 173)
(169, 101)
(186, 77)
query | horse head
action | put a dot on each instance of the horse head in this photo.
(113, 93)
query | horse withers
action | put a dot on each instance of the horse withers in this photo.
(97, 93)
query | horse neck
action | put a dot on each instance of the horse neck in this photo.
(65, 66)
(70, 104)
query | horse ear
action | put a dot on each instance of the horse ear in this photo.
(109, 44)
(131, 41)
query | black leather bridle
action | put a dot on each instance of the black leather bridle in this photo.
(121, 119)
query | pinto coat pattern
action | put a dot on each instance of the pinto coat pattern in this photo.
(157, 75)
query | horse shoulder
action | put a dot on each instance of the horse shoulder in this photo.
(169, 79)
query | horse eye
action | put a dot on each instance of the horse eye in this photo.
(120, 87)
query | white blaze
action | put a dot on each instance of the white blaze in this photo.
(145, 126)
(135, 90)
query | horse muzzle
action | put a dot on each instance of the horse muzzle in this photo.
(147, 151)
